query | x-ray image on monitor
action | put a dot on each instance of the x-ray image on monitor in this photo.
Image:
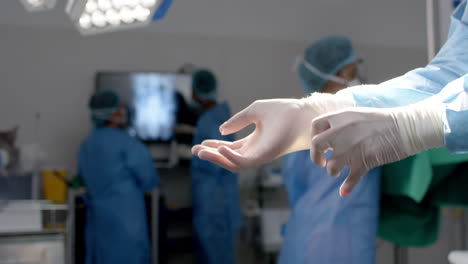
(154, 99)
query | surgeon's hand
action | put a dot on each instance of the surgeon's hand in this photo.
(364, 138)
(281, 126)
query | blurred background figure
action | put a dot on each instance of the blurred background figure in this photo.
(324, 227)
(187, 116)
(117, 170)
(217, 214)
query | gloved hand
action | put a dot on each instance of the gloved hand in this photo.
(364, 138)
(282, 126)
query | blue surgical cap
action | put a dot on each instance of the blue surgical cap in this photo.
(103, 104)
(329, 56)
(204, 85)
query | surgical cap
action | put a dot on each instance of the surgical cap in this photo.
(329, 56)
(204, 85)
(103, 104)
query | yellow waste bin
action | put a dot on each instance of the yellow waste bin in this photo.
(54, 183)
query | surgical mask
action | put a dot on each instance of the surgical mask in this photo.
(354, 82)
(104, 114)
(325, 76)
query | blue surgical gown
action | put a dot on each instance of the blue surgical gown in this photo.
(217, 213)
(444, 79)
(117, 170)
(324, 227)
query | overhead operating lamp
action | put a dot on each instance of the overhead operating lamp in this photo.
(100, 16)
(38, 5)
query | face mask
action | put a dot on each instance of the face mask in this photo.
(326, 76)
(354, 82)
(104, 114)
(125, 117)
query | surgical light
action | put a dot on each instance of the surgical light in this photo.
(38, 5)
(99, 16)
(98, 19)
(85, 21)
(104, 5)
(112, 17)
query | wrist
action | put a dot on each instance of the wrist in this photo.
(322, 103)
(306, 109)
(421, 126)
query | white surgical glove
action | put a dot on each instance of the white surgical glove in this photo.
(281, 126)
(364, 138)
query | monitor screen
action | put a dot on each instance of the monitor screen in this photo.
(153, 97)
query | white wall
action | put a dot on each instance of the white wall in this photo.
(50, 72)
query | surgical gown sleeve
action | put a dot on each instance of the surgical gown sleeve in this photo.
(140, 162)
(450, 63)
(444, 80)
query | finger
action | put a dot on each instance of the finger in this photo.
(317, 148)
(320, 124)
(335, 165)
(215, 157)
(319, 145)
(214, 143)
(237, 122)
(197, 148)
(218, 143)
(233, 156)
(317, 152)
(355, 175)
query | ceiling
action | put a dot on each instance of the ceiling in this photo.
(371, 22)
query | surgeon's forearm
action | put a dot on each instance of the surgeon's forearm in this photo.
(413, 87)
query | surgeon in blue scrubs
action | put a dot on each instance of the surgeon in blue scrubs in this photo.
(320, 220)
(217, 213)
(117, 170)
